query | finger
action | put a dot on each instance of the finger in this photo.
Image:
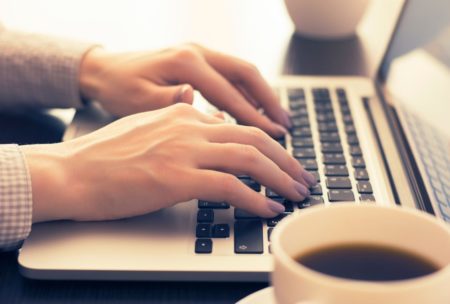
(224, 187)
(247, 96)
(237, 70)
(228, 133)
(240, 159)
(219, 91)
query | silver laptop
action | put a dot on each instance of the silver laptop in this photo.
(366, 141)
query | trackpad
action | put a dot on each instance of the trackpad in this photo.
(124, 243)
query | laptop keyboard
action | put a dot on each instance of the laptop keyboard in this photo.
(325, 141)
(433, 149)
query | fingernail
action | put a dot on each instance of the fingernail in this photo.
(301, 189)
(274, 206)
(280, 129)
(309, 178)
(182, 95)
(287, 120)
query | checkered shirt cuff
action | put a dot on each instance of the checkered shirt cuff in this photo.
(15, 198)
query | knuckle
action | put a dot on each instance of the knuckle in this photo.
(257, 135)
(251, 69)
(250, 154)
(186, 54)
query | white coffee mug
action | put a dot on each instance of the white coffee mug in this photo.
(409, 230)
(326, 19)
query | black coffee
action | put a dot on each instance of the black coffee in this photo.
(367, 262)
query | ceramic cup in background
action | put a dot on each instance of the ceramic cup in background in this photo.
(326, 19)
(409, 230)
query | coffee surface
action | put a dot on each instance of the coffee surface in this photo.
(367, 262)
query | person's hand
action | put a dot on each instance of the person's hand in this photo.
(151, 160)
(135, 82)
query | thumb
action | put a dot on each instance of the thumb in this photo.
(163, 96)
(182, 93)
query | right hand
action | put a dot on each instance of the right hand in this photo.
(151, 160)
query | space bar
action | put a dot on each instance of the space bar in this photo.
(248, 237)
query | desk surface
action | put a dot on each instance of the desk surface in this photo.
(259, 31)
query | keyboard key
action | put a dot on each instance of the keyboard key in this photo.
(361, 174)
(275, 220)
(327, 127)
(323, 106)
(334, 159)
(350, 129)
(329, 137)
(269, 233)
(316, 190)
(310, 201)
(301, 132)
(347, 118)
(336, 170)
(364, 187)
(296, 93)
(203, 246)
(331, 148)
(352, 140)
(338, 183)
(300, 111)
(248, 236)
(212, 205)
(288, 206)
(341, 196)
(358, 162)
(221, 231)
(345, 109)
(341, 93)
(252, 184)
(242, 214)
(315, 174)
(355, 151)
(271, 194)
(367, 198)
(282, 142)
(321, 93)
(297, 104)
(325, 117)
(203, 231)
(300, 121)
(305, 142)
(304, 153)
(205, 216)
(309, 164)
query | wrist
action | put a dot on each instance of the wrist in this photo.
(50, 182)
(90, 69)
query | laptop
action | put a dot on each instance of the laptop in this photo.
(368, 141)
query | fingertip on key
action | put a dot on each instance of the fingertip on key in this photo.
(309, 178)
(275, 206)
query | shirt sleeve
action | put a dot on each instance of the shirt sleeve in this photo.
(39, 71)
(15, 198)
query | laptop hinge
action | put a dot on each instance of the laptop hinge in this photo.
(409, 188)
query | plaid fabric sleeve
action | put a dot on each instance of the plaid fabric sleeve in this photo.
(15, 198)
(39, 71)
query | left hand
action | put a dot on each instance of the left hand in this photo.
(135, 82)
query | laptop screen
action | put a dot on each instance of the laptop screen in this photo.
(420, 23)
(416, 67)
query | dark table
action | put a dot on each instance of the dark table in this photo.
(289, 54)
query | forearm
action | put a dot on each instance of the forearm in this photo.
(39, 71)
